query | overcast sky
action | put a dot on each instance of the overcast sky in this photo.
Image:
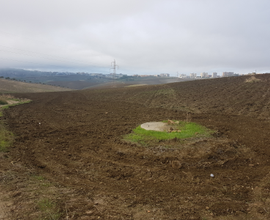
(143, 36)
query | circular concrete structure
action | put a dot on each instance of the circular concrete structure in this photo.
(155, 126)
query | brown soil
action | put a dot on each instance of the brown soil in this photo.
(3, 206)
(73, 139)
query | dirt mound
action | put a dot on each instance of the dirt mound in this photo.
(73, 139)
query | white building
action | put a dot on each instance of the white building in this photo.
(204, 75)
(193, 75)
(214, 75)
(227, 74)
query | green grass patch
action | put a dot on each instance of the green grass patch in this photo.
(17, 100)
(187, 130)
(7, 137)
(38, 177)
(49, 209)
(5, 107)
(19, 103)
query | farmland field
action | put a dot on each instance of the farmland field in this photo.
(12, 86)
(74, 141)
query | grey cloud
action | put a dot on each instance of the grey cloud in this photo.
(143, 36)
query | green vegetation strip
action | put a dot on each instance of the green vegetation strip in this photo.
(7, 137)
(186, 130)
(19, 103)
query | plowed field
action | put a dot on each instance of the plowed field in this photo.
(74, 139)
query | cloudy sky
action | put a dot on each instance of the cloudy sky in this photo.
(143, 36)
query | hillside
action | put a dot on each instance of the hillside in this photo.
(12, 86)
(231, 95)
(69, 150)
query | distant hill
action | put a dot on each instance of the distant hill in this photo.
(70, 80)
(83, 80)
(12, 86)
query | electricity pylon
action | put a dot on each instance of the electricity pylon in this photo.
(114, 67)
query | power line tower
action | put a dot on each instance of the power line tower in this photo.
(114, 67)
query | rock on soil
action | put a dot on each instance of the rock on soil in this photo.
(155, 126)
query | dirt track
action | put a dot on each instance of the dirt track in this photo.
(74, 140)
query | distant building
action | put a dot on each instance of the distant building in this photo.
(193, 75)
(227, 74)
(164, 75)
(214, 75)
(145, 75)
(82, 73)
(204, 75)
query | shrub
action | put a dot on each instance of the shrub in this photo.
(3, 102)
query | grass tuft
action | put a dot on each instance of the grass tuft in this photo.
(38, 177)
(49, 209)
